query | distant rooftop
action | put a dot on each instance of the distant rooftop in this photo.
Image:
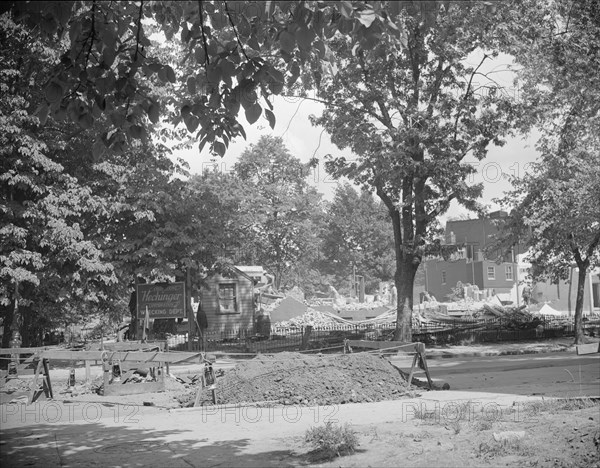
(250, 268)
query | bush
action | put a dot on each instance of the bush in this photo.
(332, 440)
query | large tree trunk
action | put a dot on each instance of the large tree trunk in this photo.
(278, 275)
(407, 263)
(581, 277)
(404, 280)
(8, 313)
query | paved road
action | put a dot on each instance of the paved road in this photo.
(549, 374)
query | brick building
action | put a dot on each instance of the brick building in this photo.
(476, 263)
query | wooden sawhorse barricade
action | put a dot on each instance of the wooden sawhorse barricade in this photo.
(128, 361)
(35, 391)
(418, 349)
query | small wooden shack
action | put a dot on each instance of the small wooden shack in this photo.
(228, 301)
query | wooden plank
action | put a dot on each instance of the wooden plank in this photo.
(20, 372)
(590, 348)
(106, 373)
(412, 369)
(134, 346)
(379, 344)
(426, 369)
(47, 377)
(4, 351)
(34, 385)
(150, 356)
(118, 389)
(306, 337)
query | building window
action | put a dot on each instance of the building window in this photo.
(491, 273)
(444, 277)
(228, 303)
(509, 272)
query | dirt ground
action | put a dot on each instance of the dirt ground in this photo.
(449, 433)
(544, 435)
(363, 390)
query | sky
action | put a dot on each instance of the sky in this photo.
(306, 141)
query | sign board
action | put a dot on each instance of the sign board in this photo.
(164, 300)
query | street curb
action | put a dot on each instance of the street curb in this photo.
(445, 354)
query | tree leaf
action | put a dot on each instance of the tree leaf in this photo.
(367, 17)
(200, 55)
(276, 81)
(346, 9)
(170, 74)
(253, 113)
(295, 71)
(136, 131)
(191, 84)
(54, 92)
(287, 41)
(270, 117)
(42, 113)
(86, 120)
(191, 122)
(98, 149)
(304, 37)
(185, 110)
(154, 113)
(108, 56)
(219, 148)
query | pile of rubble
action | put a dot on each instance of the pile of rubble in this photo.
(271, 306)
(298, 379)
(312, 317)
(362, 306)
(505, 312)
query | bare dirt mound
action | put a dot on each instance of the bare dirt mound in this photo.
(294, 378)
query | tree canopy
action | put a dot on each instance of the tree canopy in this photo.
(92, 92)
(412, 110)
(555, 207)
(284, 208)
(357, 233)
(235, 56)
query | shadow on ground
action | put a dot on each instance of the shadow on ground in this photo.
(88, 445)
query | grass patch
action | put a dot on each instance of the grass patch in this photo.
(482, 425)
(453, 417)
(332, 440)
(502, 448)
(558, 404)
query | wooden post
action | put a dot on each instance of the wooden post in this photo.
(167, 350)
(34, 385)
(106, 370)
(306, 337)
(420, 349)
(88, 372)
(412, 369)
(16, 340)
(47, 377)
(188, 307)
(199, 393)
